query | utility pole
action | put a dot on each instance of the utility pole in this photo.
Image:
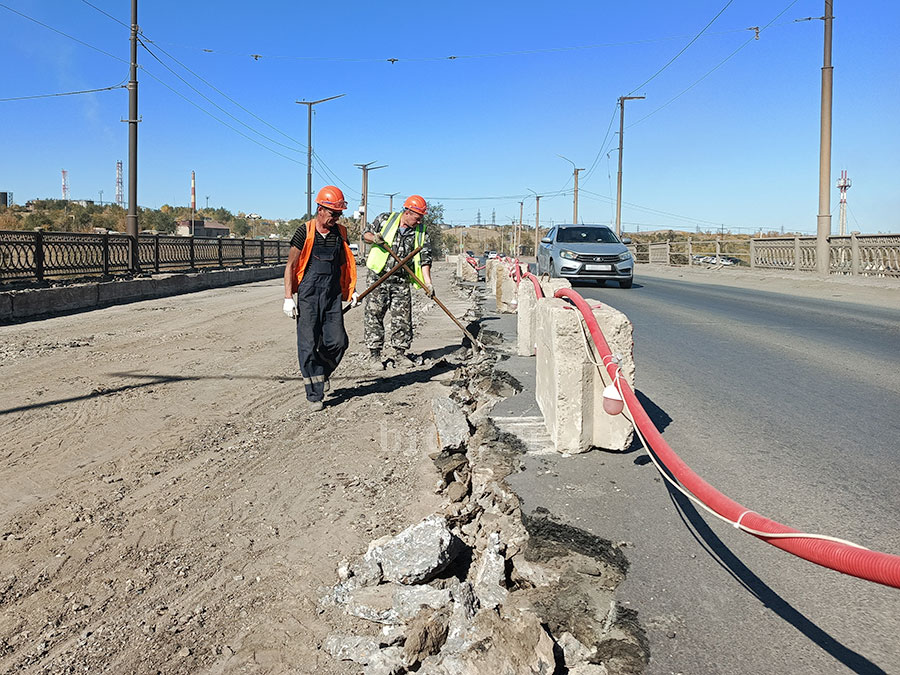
(366, 168)
(207, 202)
(622, 100)
(575, 198)
(309, 105)
(519, 230)
(131, 220)
(537, 220)
(823, 221)
(101, 198)
(392, 195)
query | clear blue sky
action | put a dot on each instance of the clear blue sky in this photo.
(531, 81)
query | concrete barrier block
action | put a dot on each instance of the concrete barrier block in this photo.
(526, 310)
(469, 273)
(610, 432)
(6, 307)
(569, 386)
(43, 301)
(507, 295)
(491, 269)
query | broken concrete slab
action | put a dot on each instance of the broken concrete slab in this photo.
(451, 425)
(419, 553)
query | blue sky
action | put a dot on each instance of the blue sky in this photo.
(737, 147)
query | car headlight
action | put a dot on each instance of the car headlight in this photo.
(568, 255)
(625, 256)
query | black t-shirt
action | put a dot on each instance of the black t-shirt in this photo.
(330, 240)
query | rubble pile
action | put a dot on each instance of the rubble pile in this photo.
(478, 587)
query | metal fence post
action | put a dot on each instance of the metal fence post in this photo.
(39, 255)
(752, 253)
(192, 252)
(220, 252)
(262, 252)
(105, 241)
(854, 253)
(668, 253)
(243, 251)
(796, 253)
(718, 251)
(690, 252)
(156, 253)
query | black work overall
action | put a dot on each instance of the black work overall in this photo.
(321, 338)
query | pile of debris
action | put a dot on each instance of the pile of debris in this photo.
(476, 587)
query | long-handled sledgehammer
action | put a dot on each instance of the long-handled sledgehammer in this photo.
(383, 278)
(414, 277)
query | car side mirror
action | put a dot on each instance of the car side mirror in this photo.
(626, 240)
(546, 240)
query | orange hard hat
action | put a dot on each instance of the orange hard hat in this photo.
(416, 204)
(331, 197)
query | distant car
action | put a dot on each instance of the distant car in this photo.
(586, 252)
(470, 254)
(491, 254)
(354, 248)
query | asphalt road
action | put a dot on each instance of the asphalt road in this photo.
(789, 404)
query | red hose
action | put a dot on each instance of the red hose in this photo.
(537, 284)
(882, 568)
(474, 263)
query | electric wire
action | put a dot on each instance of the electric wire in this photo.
(683, 49)
(107, 14)
(601, 369)
(55, 30)
(210, 101)
(715, 68)
(220, 121)
(121, 85)
(223, 94)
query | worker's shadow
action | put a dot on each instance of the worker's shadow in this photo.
(720, 552)
(388, 381)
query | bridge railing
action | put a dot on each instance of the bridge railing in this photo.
(871, 255)
(42, 255)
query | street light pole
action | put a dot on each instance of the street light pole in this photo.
(309, 105)
(392, 195)
(575, 199)
(366, 168)
(823, 221)
(537, 220)
(519, 230)
(622, 100)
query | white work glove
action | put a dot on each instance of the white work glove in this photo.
(290, 309)
(354, 299)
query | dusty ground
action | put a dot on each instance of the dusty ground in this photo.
(167, 504)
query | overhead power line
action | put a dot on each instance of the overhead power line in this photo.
(107, 14)
(55, 30)
(121, 85)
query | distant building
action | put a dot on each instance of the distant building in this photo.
(201, 228)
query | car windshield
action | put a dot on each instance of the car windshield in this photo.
(586, 235)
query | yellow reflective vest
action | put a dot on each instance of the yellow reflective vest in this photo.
(378, 256)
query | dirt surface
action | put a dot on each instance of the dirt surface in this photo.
(168, 504)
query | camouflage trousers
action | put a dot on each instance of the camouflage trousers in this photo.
(394, 295)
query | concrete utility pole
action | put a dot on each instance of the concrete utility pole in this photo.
(622, 100)
(392, 195)
(537, 220)
(131, 220)
(823, 221)
(575, 198)
(309, 105)
(366, 168)
(519, 230)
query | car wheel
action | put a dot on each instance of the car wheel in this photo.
(552, 271)
(626, 283)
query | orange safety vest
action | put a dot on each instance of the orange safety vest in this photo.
(348, 269)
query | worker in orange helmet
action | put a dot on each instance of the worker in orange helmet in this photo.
(321, 270)
(402, 232)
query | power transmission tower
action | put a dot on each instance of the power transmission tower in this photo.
(65, 185)
(843, 185)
